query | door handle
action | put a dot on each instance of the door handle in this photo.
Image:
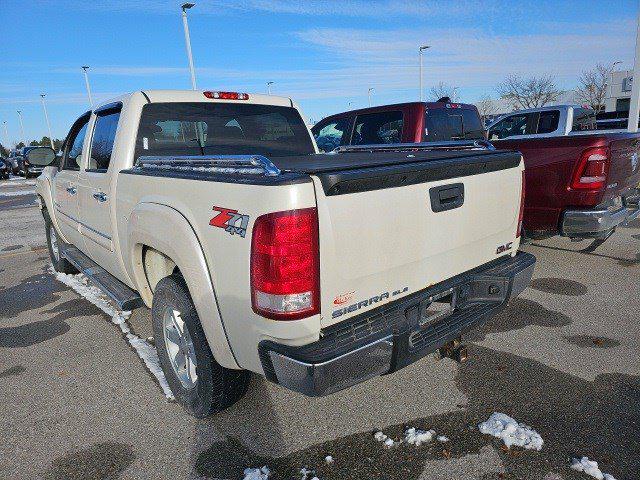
(100, 196)
(72, 190)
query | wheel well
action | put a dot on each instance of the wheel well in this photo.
(157, 265)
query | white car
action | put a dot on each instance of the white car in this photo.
(257, 254)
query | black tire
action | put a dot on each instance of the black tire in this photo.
(60, 264)
(215, 387)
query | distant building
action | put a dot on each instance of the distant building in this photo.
(618, 95)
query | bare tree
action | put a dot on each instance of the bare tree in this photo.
(529, 92)
(443, 90)
(486, 106)
(592, 86)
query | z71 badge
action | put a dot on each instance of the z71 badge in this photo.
(230, 220)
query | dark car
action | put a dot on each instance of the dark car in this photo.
(25, 168)
(12, 161)
(4, 169)
(400, 123)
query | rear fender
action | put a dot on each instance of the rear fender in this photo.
(168, 232)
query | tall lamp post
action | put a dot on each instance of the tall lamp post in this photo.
(369, 94)
(269, 87)
(634, 107)
(46, 118)
(6, 133)
(86, 82)
(420, 50)
(24, 141)
(187, 39)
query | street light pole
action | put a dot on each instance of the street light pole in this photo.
(86, 81)
(46, 118)
(269, 87)
(634, 108)
(422, 47)
(6, 133)
(369, 94)
(187, 39)
(24, 141)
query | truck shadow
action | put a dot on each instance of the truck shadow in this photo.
(559, 286)
(100, 461)
(574, 416)
(624, 262)
(520, 313)
(34, 292)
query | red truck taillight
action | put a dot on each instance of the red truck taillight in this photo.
(285, 265)
(521, 214)
(591, 173)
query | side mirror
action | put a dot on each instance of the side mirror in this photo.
(42, 157)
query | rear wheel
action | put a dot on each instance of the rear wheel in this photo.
(54, 242)
(199, 383)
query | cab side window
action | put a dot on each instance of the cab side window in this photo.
(329, 137)
(104, 135)
(73, 150)
(511, 126)
(378, 128)
(548, 121)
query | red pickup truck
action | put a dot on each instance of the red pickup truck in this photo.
(580, 182)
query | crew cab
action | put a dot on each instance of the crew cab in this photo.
(412, 122)
(257, 254)
(580, 182)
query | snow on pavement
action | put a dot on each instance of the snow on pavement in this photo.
(590, 468)
(256, 473)
(144, 349)
(511, 432)
(416, 437)
(17, 193)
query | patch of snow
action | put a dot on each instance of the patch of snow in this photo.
(93, 294)
(381, 437)
(256, 473)
(443, 439)
(306, 473)
(17, 193)
(590, 467)
(329, 459)
(417, 437)
(511, 432)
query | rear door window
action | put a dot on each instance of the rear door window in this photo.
(378, 128)
(104, 135)
(548, 121)
(584, 119)
(330, 136)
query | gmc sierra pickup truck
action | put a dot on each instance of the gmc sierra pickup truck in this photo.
(580, 182)
(257, 254)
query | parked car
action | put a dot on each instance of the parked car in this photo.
(13, 157)
(257, 254)
(26, 168)
(400, 123)
(580, 182)
(4, 169)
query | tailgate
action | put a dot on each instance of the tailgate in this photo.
(389, 232)
(624, 169)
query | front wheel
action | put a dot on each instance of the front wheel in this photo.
(60, 264)
(199, 383)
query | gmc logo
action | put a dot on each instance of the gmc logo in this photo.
(504, 248)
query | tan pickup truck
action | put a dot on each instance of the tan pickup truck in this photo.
(257, 254)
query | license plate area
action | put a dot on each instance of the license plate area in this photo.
(437, 307)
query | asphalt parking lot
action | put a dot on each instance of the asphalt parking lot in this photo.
(76, 401)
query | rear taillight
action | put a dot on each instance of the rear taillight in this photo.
(521, 214)
(591, 173)
(285, 265)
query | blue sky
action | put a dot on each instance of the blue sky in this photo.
(323, 53)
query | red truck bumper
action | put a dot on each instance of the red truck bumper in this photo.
(600, 222)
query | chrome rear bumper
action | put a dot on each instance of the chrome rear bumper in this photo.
(391, 337)
(601, 222)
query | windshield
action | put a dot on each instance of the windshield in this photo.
(197, 128)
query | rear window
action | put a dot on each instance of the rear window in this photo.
(196, 128)
(584, 119)
(378, 128)
(444, 124)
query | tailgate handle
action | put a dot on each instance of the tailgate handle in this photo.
(447, 197)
